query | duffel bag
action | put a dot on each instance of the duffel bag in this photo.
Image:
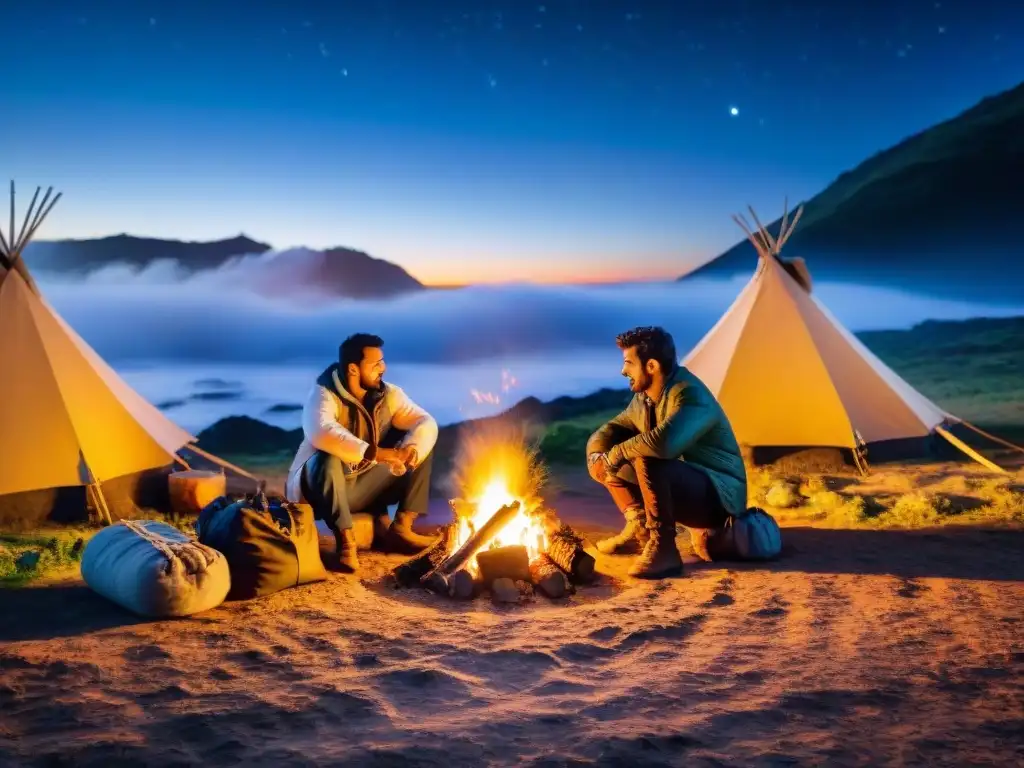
(270, 543)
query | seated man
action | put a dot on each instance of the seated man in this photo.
(670, 456)
(344, 463)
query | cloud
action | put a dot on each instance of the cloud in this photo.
(160, 314)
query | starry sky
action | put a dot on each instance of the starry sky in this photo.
(476, 140)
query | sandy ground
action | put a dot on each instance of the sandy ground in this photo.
(856, 648)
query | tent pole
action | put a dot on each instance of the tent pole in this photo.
(181, 461)
(101, 503)
(217, 460)
(858, 459)
(954, 440)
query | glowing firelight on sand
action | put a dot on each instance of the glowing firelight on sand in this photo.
(494, 468)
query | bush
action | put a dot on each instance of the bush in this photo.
(783, 495)
(565, 444)
(916, 510)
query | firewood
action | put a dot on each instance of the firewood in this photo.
(565, 549)
(548, 577)
(504, 591)
(410, 572)
(480, 539)
(512, 562)
(462, 585)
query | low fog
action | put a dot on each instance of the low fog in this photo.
(159, 315)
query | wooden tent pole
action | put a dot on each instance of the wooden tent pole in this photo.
(217, 460)
(953, 439)
(101, 503)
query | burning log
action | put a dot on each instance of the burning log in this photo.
(549, 578)
(411, 571)
(437, 579)
(566, 551)
(511, 562)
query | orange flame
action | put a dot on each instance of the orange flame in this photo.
(495, 467)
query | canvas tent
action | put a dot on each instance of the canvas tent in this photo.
(789, 375)
(67, 419)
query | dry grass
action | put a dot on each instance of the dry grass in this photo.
(907, 496)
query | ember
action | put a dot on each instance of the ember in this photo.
(502, 535)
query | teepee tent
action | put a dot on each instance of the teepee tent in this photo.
(66, 417)
(789, 375)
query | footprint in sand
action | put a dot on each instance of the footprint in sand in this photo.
(723, 594)
(145, 653)
(910, 588)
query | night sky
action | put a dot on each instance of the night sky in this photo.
(475, 140)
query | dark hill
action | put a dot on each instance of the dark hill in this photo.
(940, 212)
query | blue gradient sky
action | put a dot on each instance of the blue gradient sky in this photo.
(472, 141)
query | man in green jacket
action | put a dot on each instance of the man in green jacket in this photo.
(670, 456)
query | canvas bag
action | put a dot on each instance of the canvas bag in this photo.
(753, 536)
(152, 569)
(270, 543)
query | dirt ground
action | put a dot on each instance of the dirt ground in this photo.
(857, 647)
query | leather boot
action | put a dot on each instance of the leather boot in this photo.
(346, 551)
(631, 538)
(402, 539)
(660, 558)
(381, 524)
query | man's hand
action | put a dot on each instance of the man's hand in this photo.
(406, 456)
(598, 467)
(410, 456)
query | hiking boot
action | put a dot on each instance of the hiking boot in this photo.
(630, 539)
(660, 558)
(402, 539)
(345, 551)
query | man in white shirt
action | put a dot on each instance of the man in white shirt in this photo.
(350, 459)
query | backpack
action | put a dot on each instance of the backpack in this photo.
(752, 536)
(270, 543)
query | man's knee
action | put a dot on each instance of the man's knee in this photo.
(324, 470)
(646, 466)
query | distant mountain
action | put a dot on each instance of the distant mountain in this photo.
(334, 272)
(337, 272)
(84, 256)
(941, 212)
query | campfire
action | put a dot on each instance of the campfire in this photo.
(503, 540)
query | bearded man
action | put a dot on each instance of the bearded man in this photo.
(671, 456)
(366, 445)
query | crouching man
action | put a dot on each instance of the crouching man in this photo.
(366, 446)
(670, 456)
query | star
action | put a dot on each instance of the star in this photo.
(491, 81)
(734, 111)
(344, 72)
(942, 30)
(152, 22)
(323, 51)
